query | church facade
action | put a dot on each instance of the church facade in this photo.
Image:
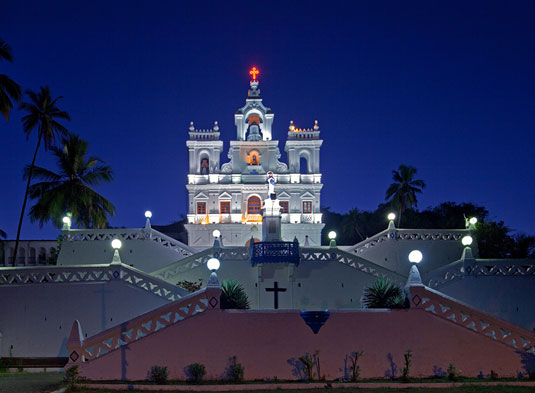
(228, 197)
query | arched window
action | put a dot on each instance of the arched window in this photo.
(303, 165)
(253, 205)
(205, 166)
(254, 158)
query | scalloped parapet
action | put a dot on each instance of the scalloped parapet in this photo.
(210, 134)
(304, 133)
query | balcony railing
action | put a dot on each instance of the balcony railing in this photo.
(275, 252)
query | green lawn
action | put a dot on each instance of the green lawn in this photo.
(465, 389)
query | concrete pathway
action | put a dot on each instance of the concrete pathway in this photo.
(29, 382)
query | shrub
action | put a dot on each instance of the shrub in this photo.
(72, 377)
(235, 371)
(233, 296)
(407, 361)
(493, 374)
(383, 293)
(453, 373)
(190, 286)
(355, 369)
(158, 375)
(196, 372)
(308, 366)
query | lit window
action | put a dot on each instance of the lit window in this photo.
(224, 207)
(201, 207)
(285, 208)
(253, 205)
(307, 207)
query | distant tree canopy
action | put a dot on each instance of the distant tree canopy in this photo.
(494, 238)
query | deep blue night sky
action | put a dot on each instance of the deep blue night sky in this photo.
(446, 87)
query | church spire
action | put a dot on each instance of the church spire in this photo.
(255, 91)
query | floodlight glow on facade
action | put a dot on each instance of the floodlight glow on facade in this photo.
(213, 264)
(415, 256)
(216, 233)
(467, 240)
(116, 244)
(473, 220)
(332, 235)
(67, 220)
(391, 216)
(148, 214)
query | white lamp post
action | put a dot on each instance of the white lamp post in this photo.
(332, 236)
(216, 234)
(148, 215)
(391, 217)
(66, 223)
(213, 265)
(116, 245)
(415, 257)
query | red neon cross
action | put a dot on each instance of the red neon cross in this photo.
(254, 72)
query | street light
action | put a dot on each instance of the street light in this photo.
(467, 240)
(473, 220)
(148, 214)
(116, 244)
(216, 233)
(415, 256)
(391, 216)
(213, 264)
(332, 236)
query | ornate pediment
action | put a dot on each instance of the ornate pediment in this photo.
(307, 195)
(225, 195)
(201, 195)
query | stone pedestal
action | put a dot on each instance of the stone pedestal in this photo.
(271, 221)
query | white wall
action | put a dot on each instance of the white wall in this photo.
(36, 319)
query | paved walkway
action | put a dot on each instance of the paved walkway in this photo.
(29, 382)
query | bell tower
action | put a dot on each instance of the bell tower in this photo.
(204, 149)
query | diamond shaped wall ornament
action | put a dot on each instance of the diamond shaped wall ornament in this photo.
(116, 274)
(213, 302)
(416, 300)
(74, 356)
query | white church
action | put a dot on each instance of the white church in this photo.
(228, 197)
(266, 236)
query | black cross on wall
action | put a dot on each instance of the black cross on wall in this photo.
(276, 291)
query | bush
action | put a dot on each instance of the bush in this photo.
(308, 366)
(233, 296)
(196, 372)
(493, 374)
(383, 293)
(158, 375)
(407, 361)
(355, 368)
(453, 373)
(190, 286)
(72, 377)
(235, 371)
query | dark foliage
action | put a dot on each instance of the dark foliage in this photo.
(233, 296)
(383, 294)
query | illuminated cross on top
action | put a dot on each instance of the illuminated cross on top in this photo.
(254, 72)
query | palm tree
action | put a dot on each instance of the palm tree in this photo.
(402, 193)
(9, 90)
(42, 113)
(233, 295)
(383, 294)
(69, 189)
